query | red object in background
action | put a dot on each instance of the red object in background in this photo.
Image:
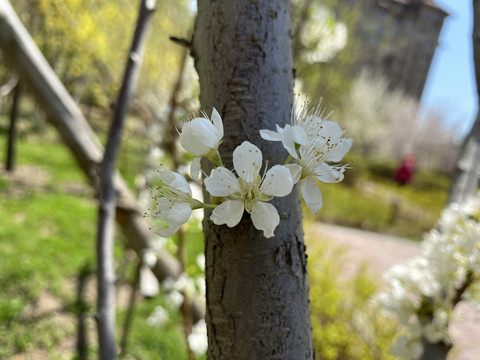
(405, 170)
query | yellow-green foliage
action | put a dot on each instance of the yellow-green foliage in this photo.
(87, 42)
(344, 326)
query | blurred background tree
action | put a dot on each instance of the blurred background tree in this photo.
(324, 49)
(86, 42)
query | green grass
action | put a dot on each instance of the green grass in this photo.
(369, 199)
(47, 237)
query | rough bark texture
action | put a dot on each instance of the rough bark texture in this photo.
(465, 179)
(257, 288)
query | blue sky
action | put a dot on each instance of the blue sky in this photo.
(451, 85)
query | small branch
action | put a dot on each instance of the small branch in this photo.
(106, 218)
(182, 42)
(7, 88)
(172, 135)
(461, 290)
(131, 308)
(12, 130)
(186, 308)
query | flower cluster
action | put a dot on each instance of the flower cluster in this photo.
(311, 140)
(424, 291)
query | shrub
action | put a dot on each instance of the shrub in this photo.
(344, 326)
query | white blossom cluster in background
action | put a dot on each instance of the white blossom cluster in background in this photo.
(322, 35)
(175, 290)
(311, 140)
(424, 291)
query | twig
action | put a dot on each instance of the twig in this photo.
(106, 217)
(131, 308)
(181, 42)
(12, 130)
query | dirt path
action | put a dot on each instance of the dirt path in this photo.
(381, 252)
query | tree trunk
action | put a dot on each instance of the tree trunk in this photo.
(465, 179)
(257, 288)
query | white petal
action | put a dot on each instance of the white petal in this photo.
(278, 181)
(312, 195)
(199, 136)
(229, 212)
(167, 232)
(270, 135)
(222, 182)
(163, 206)
(299, 135)
(329, 173)
(175, 180)
(330, 129)
(179, 214)
(196, 168)
(340, 150)
(288, 141)
(247, 161)
(293, 135)
(265, 217)
(295, 171)
(174, 218)
(217, 122)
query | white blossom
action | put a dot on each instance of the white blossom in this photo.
(197, 340)
(290, 136)
(158, 318)
(201, 261)
(201, 286)
(173, 203)
(149, 257)
(249, 191)
(201, 137)
(323, 36)
(183, 283)
(315, 142)
(424, 291)
(174, 299)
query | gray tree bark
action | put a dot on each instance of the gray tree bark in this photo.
(465, 179)
(257, 288)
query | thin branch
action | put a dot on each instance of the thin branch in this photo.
(131, 308)
(182, 42)
(12, 130)
(106, 219)
(7, 88)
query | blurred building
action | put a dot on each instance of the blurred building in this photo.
(398, 39)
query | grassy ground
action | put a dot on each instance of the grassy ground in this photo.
(47, 242)
(370, 199)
